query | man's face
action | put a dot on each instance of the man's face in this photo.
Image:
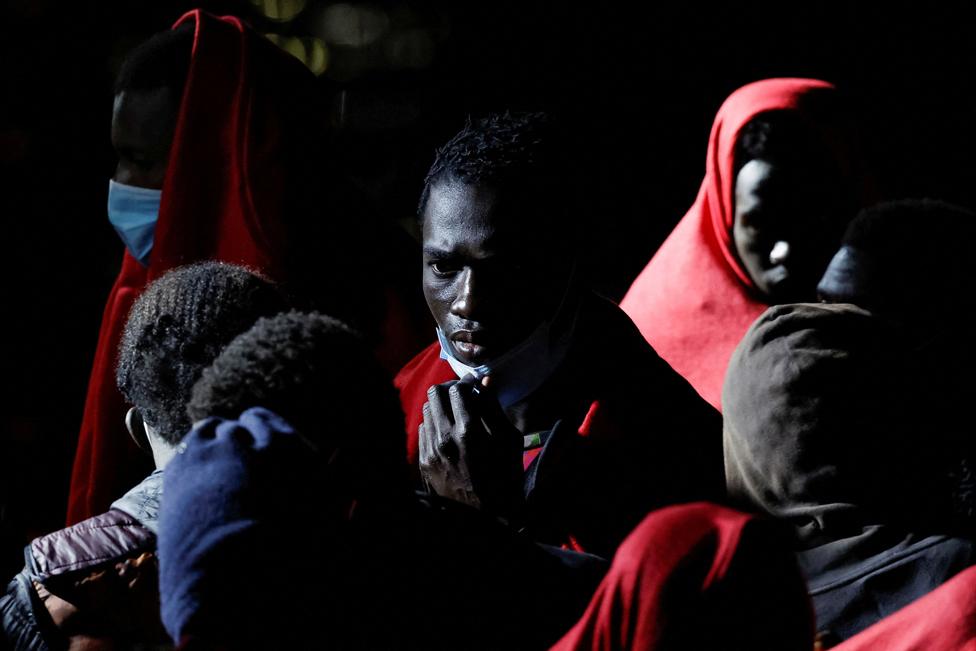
(787, 225)
(491, 276)
(872, 282)
(847, 279)
(142, 132)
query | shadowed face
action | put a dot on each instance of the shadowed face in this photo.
(788, 223)
(143, 122)
(493, 270)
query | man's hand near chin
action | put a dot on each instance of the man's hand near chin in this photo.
(469, 451)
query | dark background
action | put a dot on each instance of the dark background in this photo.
(641, 80)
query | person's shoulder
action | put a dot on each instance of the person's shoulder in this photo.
(615, 345)
(88, 544)
(626, 368)
(603, 322)
(798, 328)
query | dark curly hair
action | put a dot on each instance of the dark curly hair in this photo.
(175, 330)
(896, 228)
(520, 151)
(919, 249)
(321, 377)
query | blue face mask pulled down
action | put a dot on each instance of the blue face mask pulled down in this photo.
(133, 212)
(520, 371)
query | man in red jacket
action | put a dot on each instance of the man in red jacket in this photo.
(540, 401)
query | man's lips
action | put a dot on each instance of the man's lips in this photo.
(777, 275)
(469, 343)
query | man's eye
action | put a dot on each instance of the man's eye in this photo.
(444, 267)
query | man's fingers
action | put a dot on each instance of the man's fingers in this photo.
(440, 424)
(423, 438)
(462, 405)
(440, 411)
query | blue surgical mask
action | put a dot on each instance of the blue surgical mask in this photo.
(133, 212)
(520, 371)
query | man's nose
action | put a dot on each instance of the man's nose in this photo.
(780, 253)
(128, 174)
(465, 302)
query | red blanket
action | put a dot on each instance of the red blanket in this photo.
(222, 199)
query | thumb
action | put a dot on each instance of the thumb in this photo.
(490, 410)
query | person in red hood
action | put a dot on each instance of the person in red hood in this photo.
(782, 179)
(540, 402)
(222, 141)
(698, 576)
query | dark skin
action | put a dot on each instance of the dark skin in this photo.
(492, 274)
(788, 223)
(469, 451)
(143, 123)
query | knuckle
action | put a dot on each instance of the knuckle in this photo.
(447, 450)
(443, 445)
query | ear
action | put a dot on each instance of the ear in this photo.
(137, 430)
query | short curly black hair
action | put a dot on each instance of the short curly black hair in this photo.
(896, 228)
(162, 61)
(177, 327)
(523, 151)
(321, 377)
(916, 246)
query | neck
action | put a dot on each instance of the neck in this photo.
(162, 452)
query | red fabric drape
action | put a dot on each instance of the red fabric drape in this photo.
(422, 372)
(698, 576)
(942, 620)
(223, 199)
(693, 300)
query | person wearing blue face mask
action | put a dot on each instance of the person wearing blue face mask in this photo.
(221, 142)
(144, 112)
(539, 402)
(146, 102)
(133, 212)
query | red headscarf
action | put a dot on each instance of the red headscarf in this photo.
(698, 576)
(694, 300)
(231, 174)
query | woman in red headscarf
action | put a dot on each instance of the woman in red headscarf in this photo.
(781, 181)
(223, 155)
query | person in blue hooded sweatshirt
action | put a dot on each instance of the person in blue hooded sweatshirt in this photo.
(289, 520)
